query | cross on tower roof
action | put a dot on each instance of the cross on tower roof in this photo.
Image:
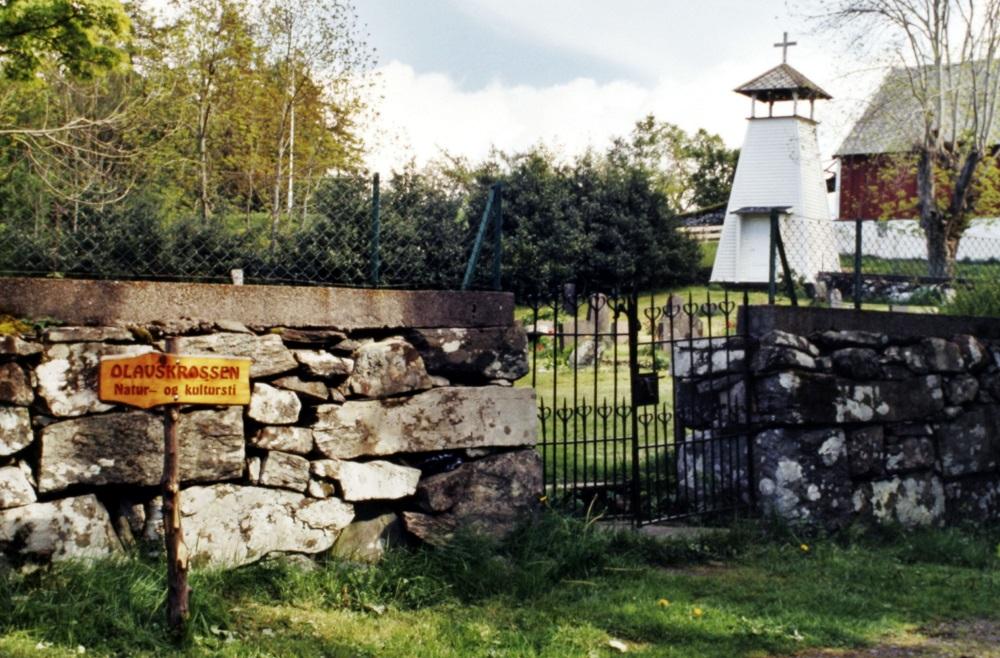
(785, 43)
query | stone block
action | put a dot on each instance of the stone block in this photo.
(942, 355)
(820, 399)
(15, 430)
(803, 475)
(284, 438)
(439, 419)
(67, 376)
(970, 443)
(283, 470)
(778, 338)
(856, 363)
(770, 358)
(834, 340)
(708, 356)
(311, 337)
(911, 500)
(488, 495)
(87, 335)
(367, 540)
(16, 346)
(69, 528)
(230, 525)
(15, 387)
(323, 364)
(975, 499)
(866, 451)
(473, 354)
(15, 488)
(273, 406)
(269, 354)
(961, 389)
(374, 480)
(388, 367)
(973, 353)
(127, 448)
(310, 389)
(909, 454)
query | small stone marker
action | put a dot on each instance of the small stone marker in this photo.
(172, 379)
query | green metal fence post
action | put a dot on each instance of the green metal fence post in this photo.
(857, 264)
(497, 236)
(376, 230)
(480, 234)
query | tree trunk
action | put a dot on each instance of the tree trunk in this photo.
(203, 163)
(291, 161)
(930, 219)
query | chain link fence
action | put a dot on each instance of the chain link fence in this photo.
(885, 265)
(355, 233)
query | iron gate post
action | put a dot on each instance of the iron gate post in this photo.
(633, 370)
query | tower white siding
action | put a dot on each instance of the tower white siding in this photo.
(779, 165)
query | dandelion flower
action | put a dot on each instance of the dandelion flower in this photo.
(663, 603)
(804, 548)
(697, 612)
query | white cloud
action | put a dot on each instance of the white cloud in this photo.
(425, 114)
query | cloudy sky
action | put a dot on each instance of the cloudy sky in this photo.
(458, 76)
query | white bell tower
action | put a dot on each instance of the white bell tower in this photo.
(779, 167)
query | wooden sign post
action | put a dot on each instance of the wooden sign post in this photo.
(171, 379)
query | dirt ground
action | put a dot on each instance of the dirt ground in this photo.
(964, 639)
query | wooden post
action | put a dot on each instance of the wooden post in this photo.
(177, 554)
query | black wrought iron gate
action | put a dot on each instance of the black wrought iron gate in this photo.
(642, 404)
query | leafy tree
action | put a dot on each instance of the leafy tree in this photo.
(691, 171)
(948, 50)
(82, 37)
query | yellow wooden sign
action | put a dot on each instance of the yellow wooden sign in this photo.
(152, 379)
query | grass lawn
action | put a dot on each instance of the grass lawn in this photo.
(557, 588)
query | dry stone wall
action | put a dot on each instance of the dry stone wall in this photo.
(350, 437)
(863, 425)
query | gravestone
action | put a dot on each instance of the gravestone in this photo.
(680, 326)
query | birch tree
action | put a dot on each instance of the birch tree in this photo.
(949, 50)
(310, 41)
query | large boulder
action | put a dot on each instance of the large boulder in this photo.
(15, 430)
(439, 419)
(230, 525)
(481, 354)
(488, 496)
(269, 354)
(68, 373)
(69, 528)
(127, 448)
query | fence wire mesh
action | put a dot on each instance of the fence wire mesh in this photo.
(885, 265)
(354, 233)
